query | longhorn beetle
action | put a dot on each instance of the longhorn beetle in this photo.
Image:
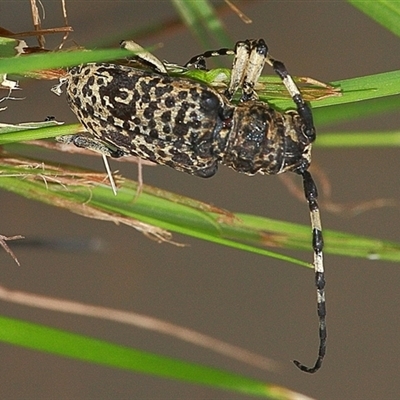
(193, 128)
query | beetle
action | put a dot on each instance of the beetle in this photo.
(192, 127)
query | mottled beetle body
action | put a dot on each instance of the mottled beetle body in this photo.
(182, 123)
(192, 127)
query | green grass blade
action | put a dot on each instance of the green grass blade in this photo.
(329, 139)
(358, 139)
(361, 97)
(82, 192)
(365, 88)
(336, 242)
(211, 21)
(154, 206)
(353, 90)
(353, 111)
(385, 12)
(359, 89)
(21, 133)
(202, 20)
(79, 347)
(36, 62)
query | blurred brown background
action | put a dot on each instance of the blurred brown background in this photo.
(264, 305)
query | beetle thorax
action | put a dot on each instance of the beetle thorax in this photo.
(263, 140)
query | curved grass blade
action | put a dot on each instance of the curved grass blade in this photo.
(84, 348)
(84, 192)
(386, 13)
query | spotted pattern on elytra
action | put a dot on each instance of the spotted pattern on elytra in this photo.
(182, 123)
